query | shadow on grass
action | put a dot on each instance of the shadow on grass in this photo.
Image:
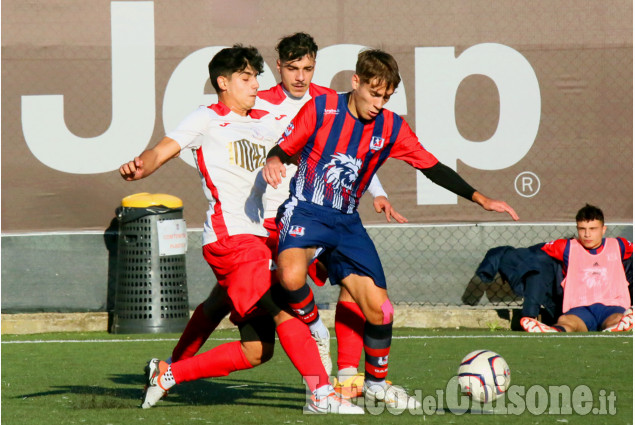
(200, 393)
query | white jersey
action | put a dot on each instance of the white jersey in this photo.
(284, 107)
(230, 151)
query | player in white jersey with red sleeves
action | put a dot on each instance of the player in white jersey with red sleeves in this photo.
(229, 140)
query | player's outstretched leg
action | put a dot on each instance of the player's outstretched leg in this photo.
(158, 381)
(198, 329)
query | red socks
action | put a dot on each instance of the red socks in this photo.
(219, 361)
(296, 341)
(198, 329)
(349, 328)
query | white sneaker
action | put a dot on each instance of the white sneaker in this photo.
(332, 403)
(393, 396)
(351, 387)
(153, 392)
(625, 324)
(324, 348)
(532, 325)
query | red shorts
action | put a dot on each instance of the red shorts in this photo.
(242, 264)
(316, 274)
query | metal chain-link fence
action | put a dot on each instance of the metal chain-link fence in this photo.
(428, 265)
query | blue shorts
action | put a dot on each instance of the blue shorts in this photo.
(340, 238)
(594, 315)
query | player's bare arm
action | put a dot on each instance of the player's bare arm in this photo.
(274, 170)
(150, 160)
(381, 204)
(494, 205)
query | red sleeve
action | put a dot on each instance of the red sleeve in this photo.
(408, 148)
(556, 248)
(628, 248)
(299, 130)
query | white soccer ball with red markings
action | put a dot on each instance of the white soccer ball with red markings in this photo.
(484, 376)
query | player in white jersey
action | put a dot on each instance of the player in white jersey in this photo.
(229, 140)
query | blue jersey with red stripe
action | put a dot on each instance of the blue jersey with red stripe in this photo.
(339, 154)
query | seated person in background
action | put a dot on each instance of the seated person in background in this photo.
(596, 291)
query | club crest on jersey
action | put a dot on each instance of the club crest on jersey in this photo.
(296, 230)
(289, 129)
(342, 171)
(376, 143)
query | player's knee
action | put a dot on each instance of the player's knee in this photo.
(292, 277)
(387, 311)
(612, 320)
(257, 353)
(380, 313)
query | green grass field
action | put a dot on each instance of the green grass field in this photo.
(97, 378)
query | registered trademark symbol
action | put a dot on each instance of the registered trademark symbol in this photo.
(527, 184)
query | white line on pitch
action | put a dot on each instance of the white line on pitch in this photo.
(394, 337)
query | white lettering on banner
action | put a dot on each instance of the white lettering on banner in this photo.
(527, 184)
(438, 75)
(343, 57)
(185, 89)
(133, 104)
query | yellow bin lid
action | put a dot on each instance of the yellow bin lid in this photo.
(145, 199)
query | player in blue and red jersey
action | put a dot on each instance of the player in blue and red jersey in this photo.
(342, 140)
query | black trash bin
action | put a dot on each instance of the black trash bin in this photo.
(151, 292)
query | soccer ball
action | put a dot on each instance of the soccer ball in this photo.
(484, 376)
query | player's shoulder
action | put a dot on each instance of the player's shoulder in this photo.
(215, 110)
(316, 90)
(623, 240)
(626, 247)
(556, 245)
(275, 95)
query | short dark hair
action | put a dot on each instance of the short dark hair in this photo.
(234, 59)
(296, 46)
(375, 64)
(589, 213)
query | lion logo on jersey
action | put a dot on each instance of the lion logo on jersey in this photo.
(342, 171)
